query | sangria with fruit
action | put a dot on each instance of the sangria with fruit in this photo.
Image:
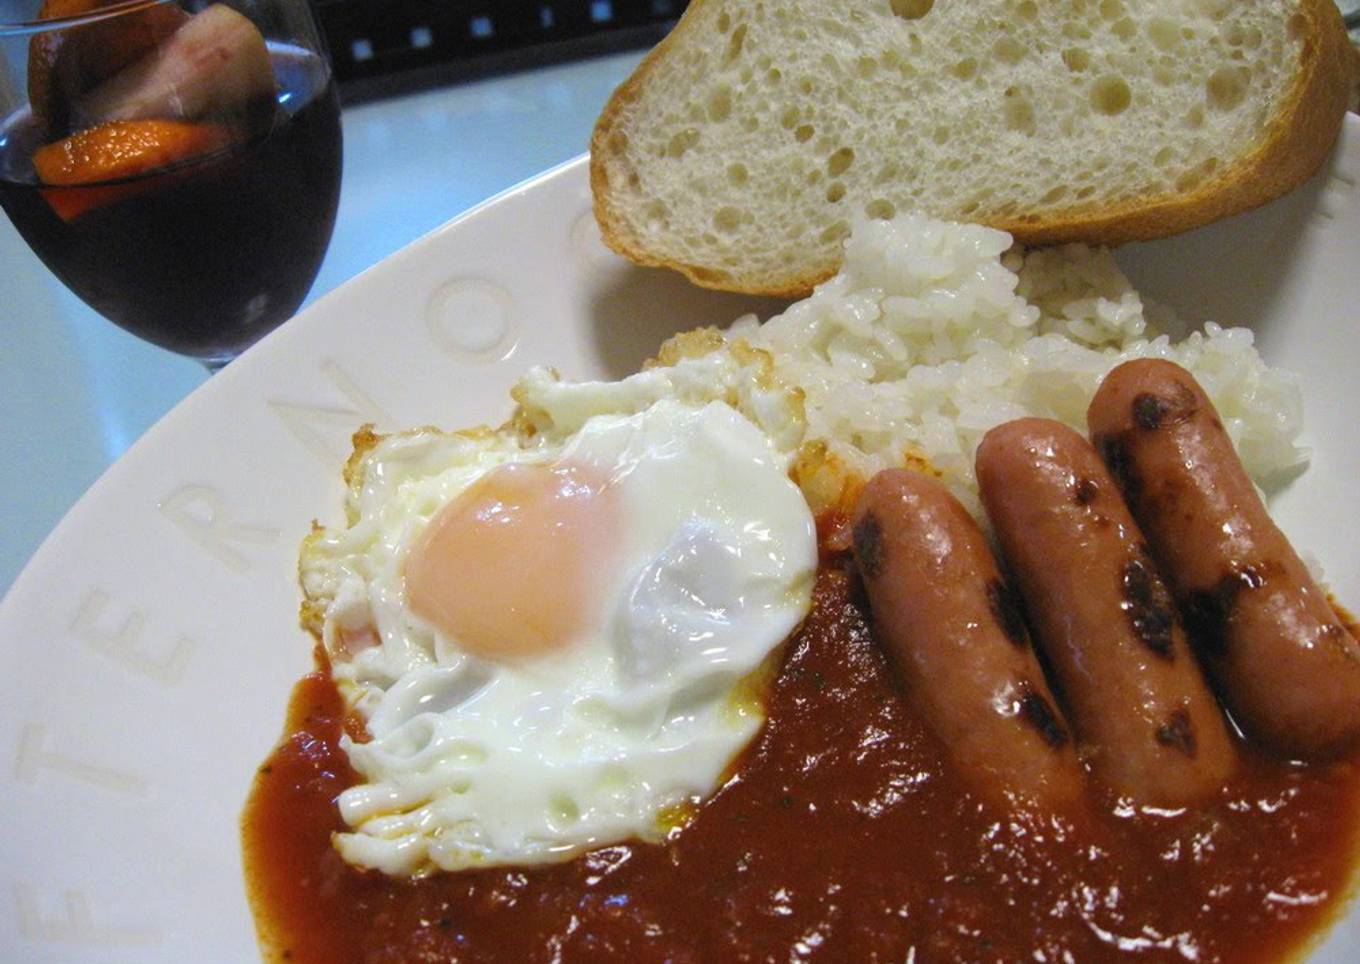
(178, 167)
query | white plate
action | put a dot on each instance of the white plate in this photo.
(152, 641)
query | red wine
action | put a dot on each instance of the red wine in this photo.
(205, 256)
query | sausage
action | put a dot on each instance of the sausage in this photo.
(1285, 666)
(954, 632)
(1102, 616)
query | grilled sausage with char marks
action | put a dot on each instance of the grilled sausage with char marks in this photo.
(955, 633)
(1283, 663)
(1105, 621)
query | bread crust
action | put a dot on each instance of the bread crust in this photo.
(1295, 143)
(614, 228)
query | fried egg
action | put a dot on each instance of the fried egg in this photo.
(554, 643)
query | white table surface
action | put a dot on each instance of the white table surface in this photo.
(76, 390)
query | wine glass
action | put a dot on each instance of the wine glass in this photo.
(175, 164)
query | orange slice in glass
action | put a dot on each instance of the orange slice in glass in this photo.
(115, 152)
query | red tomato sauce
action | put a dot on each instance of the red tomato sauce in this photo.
(843, 835)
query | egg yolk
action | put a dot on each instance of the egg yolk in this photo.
(514, 567)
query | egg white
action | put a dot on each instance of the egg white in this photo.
(474, 762)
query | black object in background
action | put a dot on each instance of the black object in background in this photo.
(383, 47)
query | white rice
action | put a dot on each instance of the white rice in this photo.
(933, 333)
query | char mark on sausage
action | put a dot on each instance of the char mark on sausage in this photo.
(1010, 616)
(1146, 601)
(868, 538)
(1209, 611)
(1039, 713)
(1178, 732)
(1114, 451)
(1151, 411)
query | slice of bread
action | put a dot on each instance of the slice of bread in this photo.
(746, 143)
